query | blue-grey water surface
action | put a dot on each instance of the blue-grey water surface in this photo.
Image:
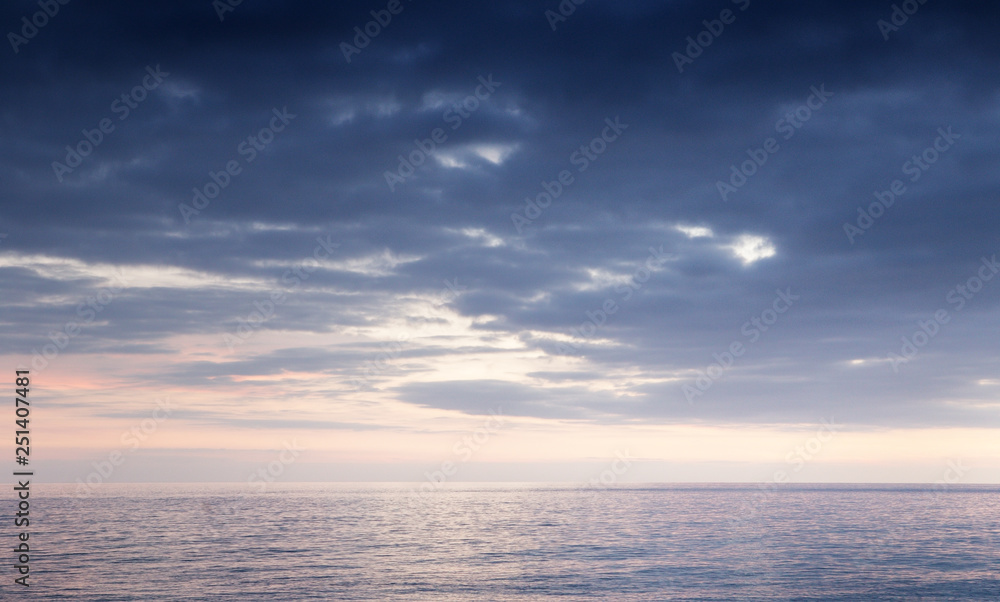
(513, 542)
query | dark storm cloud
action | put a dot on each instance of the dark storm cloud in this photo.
(324, 175)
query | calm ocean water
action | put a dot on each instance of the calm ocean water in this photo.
(514, 542)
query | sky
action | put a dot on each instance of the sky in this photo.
(520, 241)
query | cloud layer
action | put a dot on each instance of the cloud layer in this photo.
(563, 246)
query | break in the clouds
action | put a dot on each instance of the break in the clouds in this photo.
(482, 205)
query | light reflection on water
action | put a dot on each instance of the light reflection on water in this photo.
(497, 542)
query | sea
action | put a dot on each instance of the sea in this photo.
(510, 541)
